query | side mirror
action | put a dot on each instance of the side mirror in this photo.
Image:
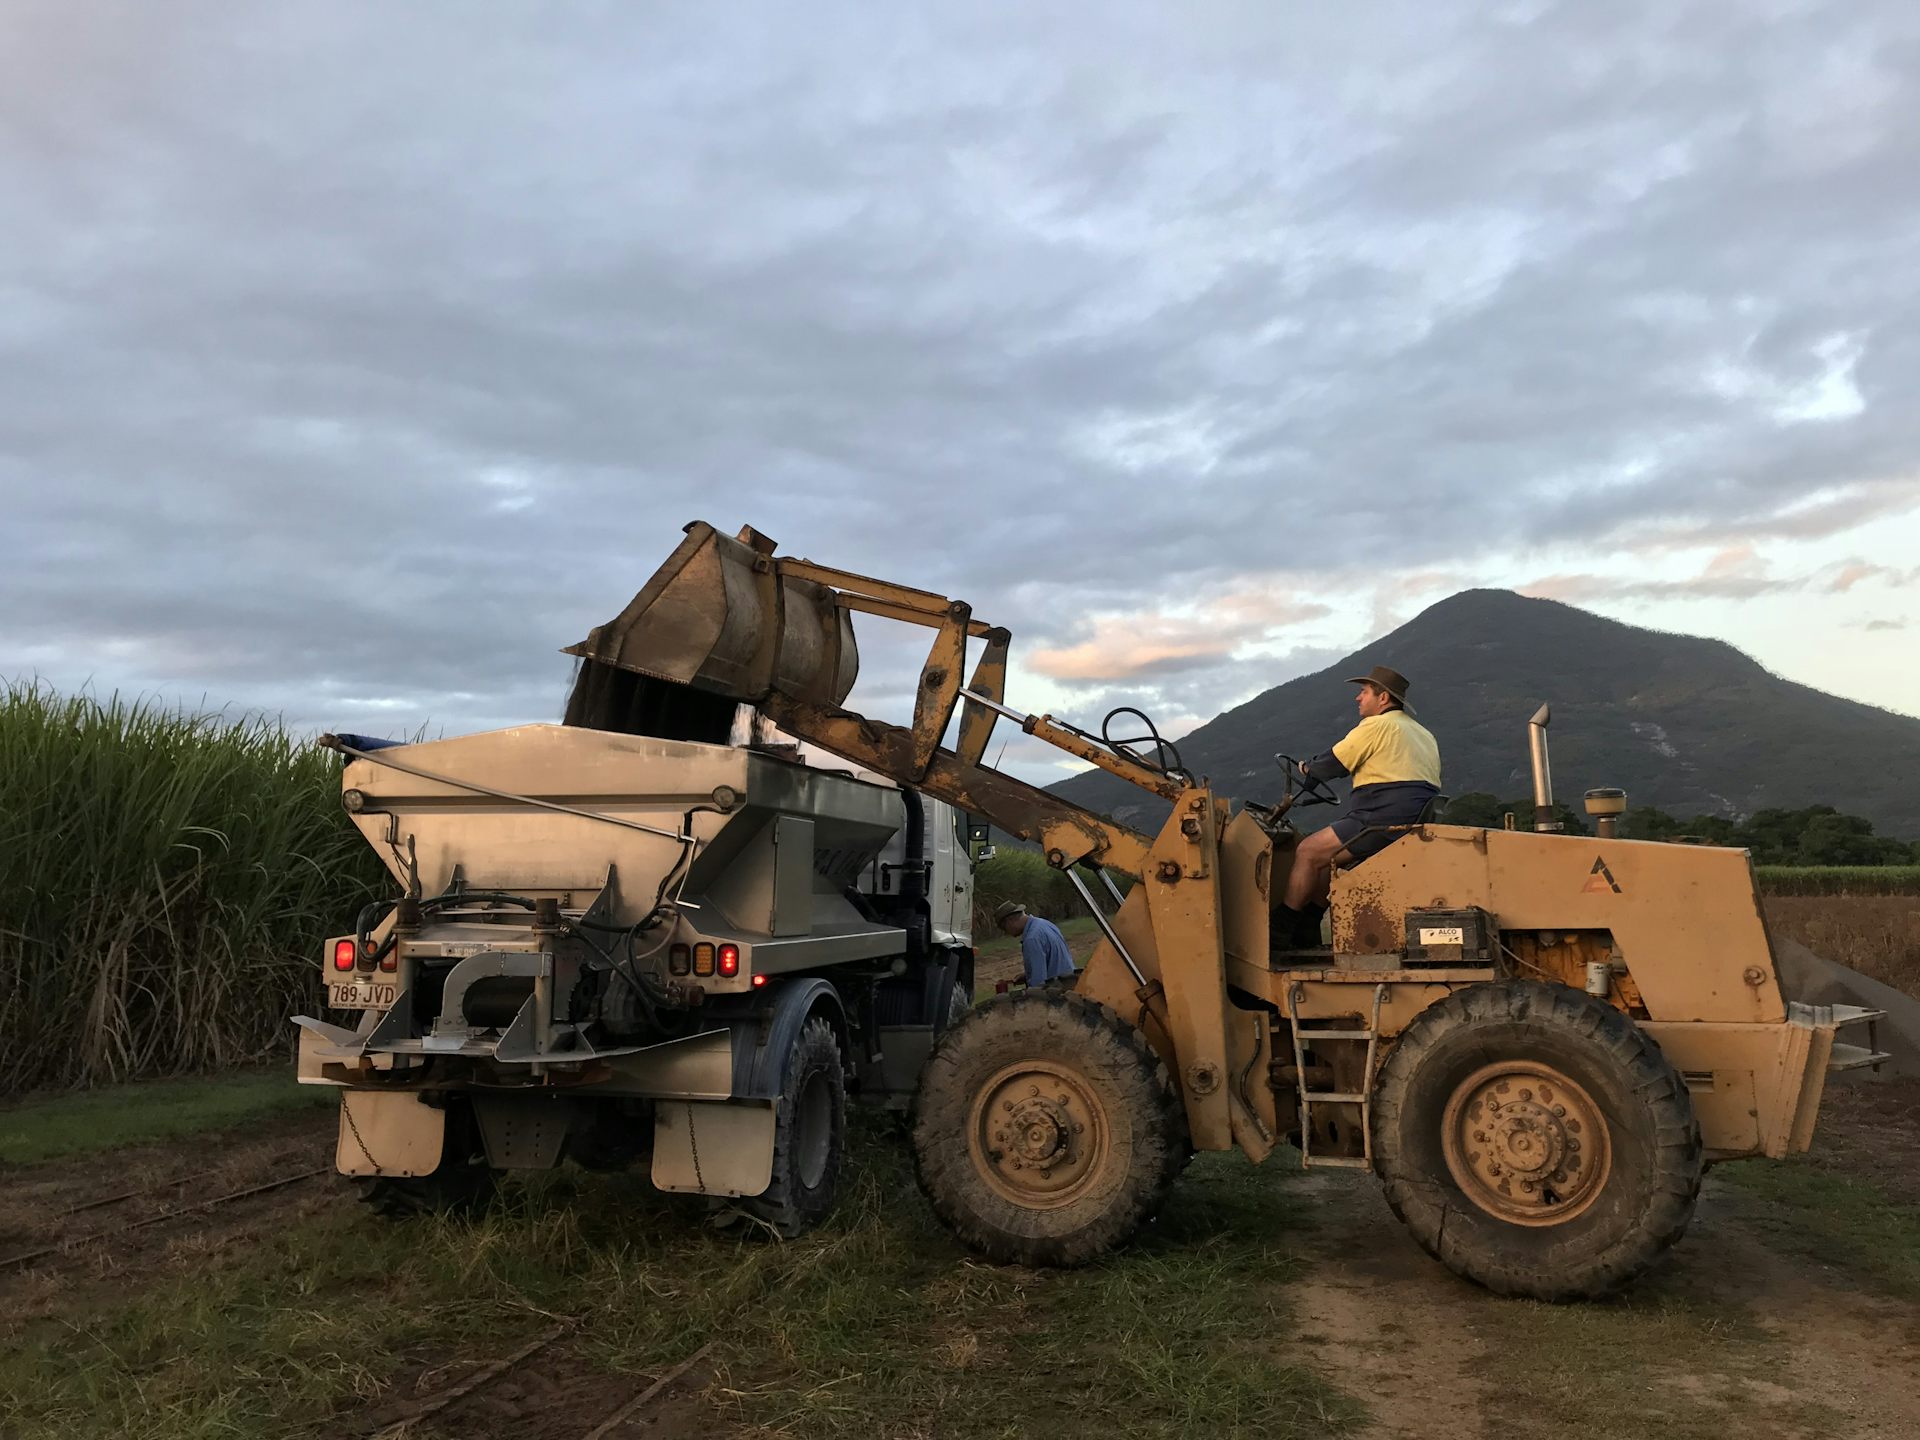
(983, 854)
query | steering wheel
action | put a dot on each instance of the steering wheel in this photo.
(1304, 789)
(1301, 789)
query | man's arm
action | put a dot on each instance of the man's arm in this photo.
(1324, 766)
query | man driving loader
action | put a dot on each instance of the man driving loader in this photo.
(1395, 765)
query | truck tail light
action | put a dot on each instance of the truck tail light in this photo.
(703, 959)
(758, 981)
(729, 961)
(679, 960)
(343, 954)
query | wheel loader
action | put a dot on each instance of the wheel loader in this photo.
(1537, 1041)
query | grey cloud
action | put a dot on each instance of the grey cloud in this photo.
(367, 354)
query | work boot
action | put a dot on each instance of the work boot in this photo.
(1308, 935)
(1298, 929)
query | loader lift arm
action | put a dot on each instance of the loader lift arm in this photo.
(656, 636)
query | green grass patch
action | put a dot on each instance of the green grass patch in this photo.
(878, 1324)
(60, 1126)
(1846, 1221)
(1839, 879)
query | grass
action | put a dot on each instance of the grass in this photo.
(878, 1324)
(166, 881)
(57, 1127)
(1844, 1221)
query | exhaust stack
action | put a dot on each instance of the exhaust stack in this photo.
(1543, 820)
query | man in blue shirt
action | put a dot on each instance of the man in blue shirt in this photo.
(1043, 949)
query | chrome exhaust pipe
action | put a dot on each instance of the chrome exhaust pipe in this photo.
(1543, 820)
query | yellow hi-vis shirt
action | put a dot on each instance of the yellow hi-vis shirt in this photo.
(1390, 749)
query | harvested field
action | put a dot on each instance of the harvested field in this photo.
(1878, 935)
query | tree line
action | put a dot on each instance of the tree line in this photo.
(1812, 835)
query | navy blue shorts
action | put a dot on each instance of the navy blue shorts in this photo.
(1398, 804)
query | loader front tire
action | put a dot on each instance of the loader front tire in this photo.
(1536, 1141)
(1045, 1129)
(810, 1135)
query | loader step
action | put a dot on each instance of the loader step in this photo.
(1311, 1035)
(1337, 1162)
(1339, 1097)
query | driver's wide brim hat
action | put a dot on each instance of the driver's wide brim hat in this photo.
(1006, 910)
(1391, 681)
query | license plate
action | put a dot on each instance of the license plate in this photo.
(362, 994)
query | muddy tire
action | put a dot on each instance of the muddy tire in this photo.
(810, 1135)
(462, 1183)
(1045, 1129)
(1536, 1141)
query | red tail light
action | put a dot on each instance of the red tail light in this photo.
(758, 981)
(343, 954)
(729, 960)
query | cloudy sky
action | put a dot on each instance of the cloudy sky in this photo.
(357, 357)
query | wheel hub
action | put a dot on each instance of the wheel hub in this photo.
(1526, 1143)
(1037, 1133)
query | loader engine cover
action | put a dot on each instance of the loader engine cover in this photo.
(1447, 937)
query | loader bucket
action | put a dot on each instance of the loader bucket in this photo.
(721, 618)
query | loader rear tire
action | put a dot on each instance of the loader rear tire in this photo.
(1045, 1129)
(1536, 1141)
(810, 1135)
(461, 1184)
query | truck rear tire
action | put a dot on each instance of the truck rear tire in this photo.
(1536, 1141)
(810, 1135)
(461, 1184)
(1046, 1130)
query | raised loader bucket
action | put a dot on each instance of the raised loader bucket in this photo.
(721, 618)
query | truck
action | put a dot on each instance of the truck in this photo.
(1538, 1042)
(615, 949)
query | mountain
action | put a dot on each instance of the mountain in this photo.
(1686, 725)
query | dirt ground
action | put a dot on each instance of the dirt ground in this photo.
(75, 1232)
(1744, 1327)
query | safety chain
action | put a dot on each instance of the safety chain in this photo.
(693, 1143)
(347, 1110)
